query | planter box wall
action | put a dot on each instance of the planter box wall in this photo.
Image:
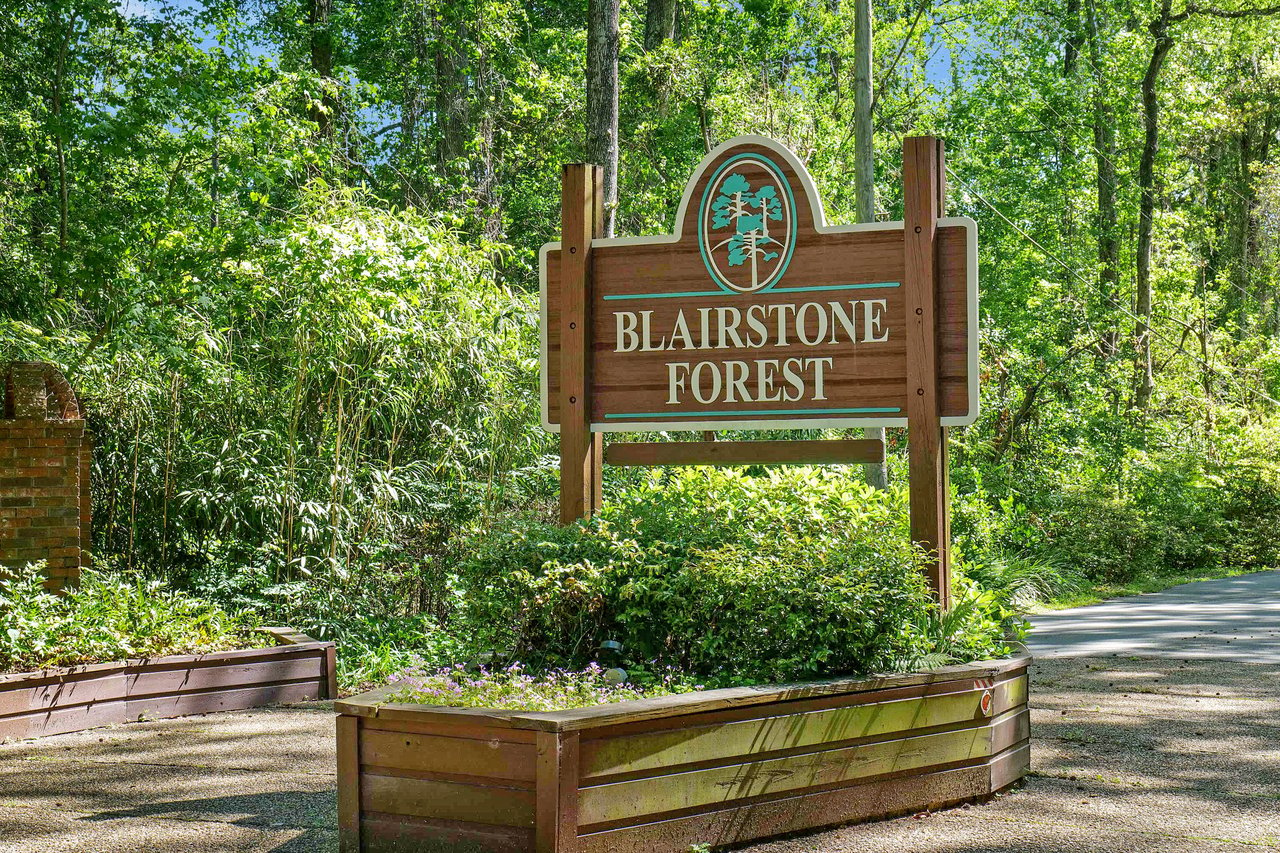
(716, 767)
(56, 701)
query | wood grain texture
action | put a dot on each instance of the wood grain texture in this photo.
(662, 751)
(348, 778)
(733, 697)
(815, 452)
(738, 824)
(556, 830)
(616, 801)
(922, 169)
(444, 800)
(449, 754)
(763, 711)
(56, 701)
(577, 458)
(402, 834)
(864, 373)
(184, 678)
(722, 768)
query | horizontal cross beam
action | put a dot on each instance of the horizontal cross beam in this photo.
(827, 452)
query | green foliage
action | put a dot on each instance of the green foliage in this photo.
(1104, 538)
(108, 617)
(730, 577)
(511, 688)
(298, 301)
(1024, 581)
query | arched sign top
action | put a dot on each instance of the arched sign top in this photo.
(776, 178)
(754, 313)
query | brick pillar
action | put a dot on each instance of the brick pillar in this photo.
(44, 473)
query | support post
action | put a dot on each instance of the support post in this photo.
(556, 793)
(581, 452)
(349, 834)
(924, 189)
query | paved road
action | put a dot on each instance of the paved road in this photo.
(1132, 753)
(1233, 619)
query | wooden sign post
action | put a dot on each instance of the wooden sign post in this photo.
(924, 194)
(754, 313)
(581, 217)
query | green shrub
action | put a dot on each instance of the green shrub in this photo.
(1251, 515)
(1023, 580)
(1104, 538)
(729, 577)
(107, 618)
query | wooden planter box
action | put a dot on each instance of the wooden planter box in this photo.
(715, 767)
(70, 699)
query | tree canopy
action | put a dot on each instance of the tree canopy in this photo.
(287, 248)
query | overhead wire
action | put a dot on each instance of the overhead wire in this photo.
(1074, 272)
(1233, 378)
(1060, 135)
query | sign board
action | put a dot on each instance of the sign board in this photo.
(755, 313)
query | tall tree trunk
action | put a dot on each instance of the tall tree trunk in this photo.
(419, 33)
(834, 59)
(486, 180)
(322, 114)
(1071, 50)
(1159, 29)
(215, 197)
(60, 152)
(864, 164)
(451, 91)
(602, 99)
(864, 157)
(1104, 143)
(659, 22)
(1269, 293)
(1066, 141)
(1245, 234)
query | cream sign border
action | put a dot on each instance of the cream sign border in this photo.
(821, 227)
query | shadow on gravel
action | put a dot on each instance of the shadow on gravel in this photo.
(1197, 728)
(309, 810)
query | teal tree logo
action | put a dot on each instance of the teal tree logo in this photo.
(754, 253)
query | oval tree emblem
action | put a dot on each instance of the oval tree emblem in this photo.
(746, 224)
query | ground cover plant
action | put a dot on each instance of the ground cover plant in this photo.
(109, 617)
(514, 689)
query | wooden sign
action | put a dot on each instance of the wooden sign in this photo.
(755, 313)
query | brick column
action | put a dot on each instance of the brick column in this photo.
(44, 473)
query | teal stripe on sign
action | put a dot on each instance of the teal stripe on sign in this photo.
(813, 289)
(665, 295)
(884, 411)
(835, 287)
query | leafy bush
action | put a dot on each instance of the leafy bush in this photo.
(1251, 515)
(107, 618)
(1023, 580)
(729, 577)
(1103, 538)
